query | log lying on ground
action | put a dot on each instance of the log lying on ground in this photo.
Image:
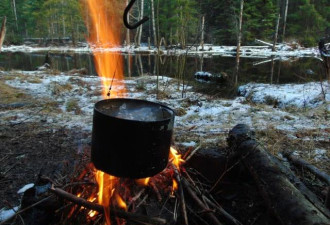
(302, 163)
(283, 199)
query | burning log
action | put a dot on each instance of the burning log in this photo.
(272, 182)
(99, 208)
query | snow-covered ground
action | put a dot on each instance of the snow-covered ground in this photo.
(286, 95)
(198, 114)
(245, 51)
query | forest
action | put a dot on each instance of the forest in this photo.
(176, 21)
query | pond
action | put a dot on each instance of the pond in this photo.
(259, 70)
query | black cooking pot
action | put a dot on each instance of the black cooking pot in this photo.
(131, 138)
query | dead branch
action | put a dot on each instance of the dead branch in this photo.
(302, 163)
(192, 153)
(222, 212)
(155, 189)
(99, 208)
(272, 182)
(25, 209)
(210, 215)
(182, 200)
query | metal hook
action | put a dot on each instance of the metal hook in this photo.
(133, 26)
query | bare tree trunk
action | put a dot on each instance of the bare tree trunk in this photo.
(284, 19)
(63, 21)
(202, 35)
(239, 37)
(128, 41)
(276, 32)
(153, 22)
(141, 26)
(15, 13)
(3, 31)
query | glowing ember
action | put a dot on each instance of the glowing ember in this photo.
(103, 23)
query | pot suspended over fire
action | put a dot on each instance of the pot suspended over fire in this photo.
(131, 138)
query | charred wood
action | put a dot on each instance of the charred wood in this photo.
(282, 198)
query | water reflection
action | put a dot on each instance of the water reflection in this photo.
(270, 70)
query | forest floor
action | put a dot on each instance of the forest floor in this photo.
(46, 121)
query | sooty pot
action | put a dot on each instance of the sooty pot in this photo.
(131, 138)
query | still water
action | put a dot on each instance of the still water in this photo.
(298, 70)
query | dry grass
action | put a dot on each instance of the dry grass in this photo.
(10, 95)
(305, 143)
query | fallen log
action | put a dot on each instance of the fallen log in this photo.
(281, 196)
(302, 163)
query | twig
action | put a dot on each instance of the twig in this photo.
(155, 189)
(225, 172)
(136, 197)
(99, 208)
(200, 203)
(201, 220)
(142, 201)
(222, 211)
(182, 201)
(10, 168)
(25, 209)
(192, 153)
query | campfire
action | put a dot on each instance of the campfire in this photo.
(132, 161)
(134, 173)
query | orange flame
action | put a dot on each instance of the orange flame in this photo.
(176, 158)
(104, 32)
(121, 203)
(174, 186)
(143, 181)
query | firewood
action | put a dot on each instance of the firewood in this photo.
(210, 215)
(99, 208)
(302, 163)
(182, 201)
(281, 196)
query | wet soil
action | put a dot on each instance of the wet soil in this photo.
(29, 150)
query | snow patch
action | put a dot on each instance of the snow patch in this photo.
(26, 187)
(308, 95)
(7, 213)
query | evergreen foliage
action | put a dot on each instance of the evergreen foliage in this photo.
(178, 21)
